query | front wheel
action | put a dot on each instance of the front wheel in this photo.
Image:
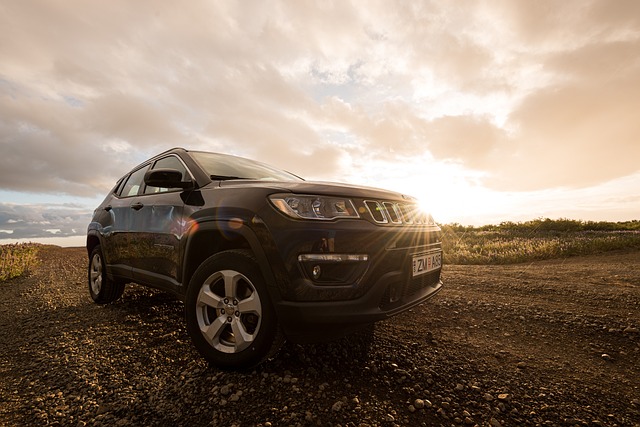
(229, 314)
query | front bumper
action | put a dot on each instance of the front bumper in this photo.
(390, 295)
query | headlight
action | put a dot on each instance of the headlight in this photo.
(314, 207)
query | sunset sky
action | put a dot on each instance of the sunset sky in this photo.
(488, 111)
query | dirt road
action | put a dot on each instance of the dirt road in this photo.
(549, 343)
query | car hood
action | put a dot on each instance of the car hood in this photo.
(317, 187)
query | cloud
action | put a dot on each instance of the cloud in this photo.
(529, 95)
(575, 135)
(572, 86)
(46, 149)
(34, 221)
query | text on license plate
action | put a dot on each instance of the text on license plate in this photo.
(426, 263)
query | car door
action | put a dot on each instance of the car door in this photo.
(117, 247)
(156, 229)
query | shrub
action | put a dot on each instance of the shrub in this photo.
(17, 259)
(510, 242)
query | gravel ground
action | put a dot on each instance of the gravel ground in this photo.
(549, 343)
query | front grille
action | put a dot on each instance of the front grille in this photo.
(417, 284)
(395, 213)
(397, 293)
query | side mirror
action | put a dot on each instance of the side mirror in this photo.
(166, 178)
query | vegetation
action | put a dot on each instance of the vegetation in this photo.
(506, 243)
(17, 259)
(539, 239)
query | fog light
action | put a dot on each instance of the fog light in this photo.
(331, 269)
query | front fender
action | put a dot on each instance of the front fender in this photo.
(253, 233)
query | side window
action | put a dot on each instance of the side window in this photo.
(118, 188)
(171, 162)
(134, 183)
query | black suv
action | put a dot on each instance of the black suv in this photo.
(258, 254)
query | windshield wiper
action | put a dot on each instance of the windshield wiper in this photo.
(225, 177)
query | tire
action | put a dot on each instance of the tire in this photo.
(101, 289)
(230, 317)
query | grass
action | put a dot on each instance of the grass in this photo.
(17, 259)
(510, 243)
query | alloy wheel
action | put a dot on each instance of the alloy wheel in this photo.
(228, 311)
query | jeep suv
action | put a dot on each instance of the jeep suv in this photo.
(258, 254)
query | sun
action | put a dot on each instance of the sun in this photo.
(451, 204)
(447, 191)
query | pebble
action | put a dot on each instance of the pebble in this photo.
(337, 407)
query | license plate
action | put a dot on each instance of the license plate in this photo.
(425, 263)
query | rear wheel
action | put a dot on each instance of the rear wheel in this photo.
(229, 315)
(101, 289)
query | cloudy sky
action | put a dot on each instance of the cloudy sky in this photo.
(486, 110)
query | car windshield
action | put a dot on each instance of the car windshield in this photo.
(225, 167)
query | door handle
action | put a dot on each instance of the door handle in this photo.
(137, 206)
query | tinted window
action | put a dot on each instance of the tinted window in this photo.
(119, 185)
(221, 166)
(171, 162)
(134, 183)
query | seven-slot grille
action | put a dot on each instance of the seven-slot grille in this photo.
(397, 213)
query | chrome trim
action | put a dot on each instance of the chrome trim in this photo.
(333, 257)
(395, 213)
(379, 208)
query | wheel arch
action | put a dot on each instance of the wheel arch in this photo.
(93, 240)
(212, 237)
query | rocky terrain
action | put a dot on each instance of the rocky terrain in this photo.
(553, 343)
